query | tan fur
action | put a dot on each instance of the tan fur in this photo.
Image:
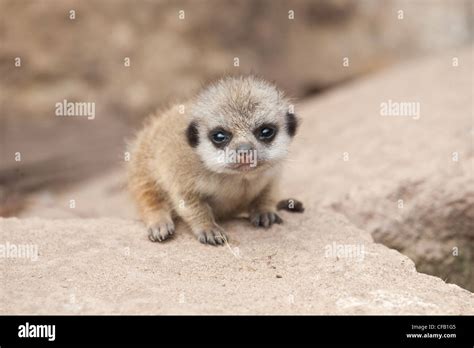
(168, 179)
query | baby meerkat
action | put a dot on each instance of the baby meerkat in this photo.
(215, 157)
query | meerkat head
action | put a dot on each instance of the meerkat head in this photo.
(241, 125)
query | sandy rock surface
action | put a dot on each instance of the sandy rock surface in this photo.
(109, 266)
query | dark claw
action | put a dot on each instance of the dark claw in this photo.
(255, 220)
(212, 237)
(278, 219)
(160, 232)
(265, 220)
(220, 240)
(202, 238)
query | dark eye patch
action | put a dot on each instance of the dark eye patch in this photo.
(220, 137)
(192, 134)
(291, 124)
(266, 132)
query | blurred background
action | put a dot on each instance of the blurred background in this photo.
(83, 59)
(132, 57)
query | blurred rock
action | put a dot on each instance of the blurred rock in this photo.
(434, 224)
(83, 58)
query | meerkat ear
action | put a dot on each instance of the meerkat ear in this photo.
(291, 124)
(192, 134)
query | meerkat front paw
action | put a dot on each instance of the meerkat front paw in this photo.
(265, 219)
(214, 236)
(159, 232)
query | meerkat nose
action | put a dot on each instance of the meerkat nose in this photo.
(244, 152)
(244, 147)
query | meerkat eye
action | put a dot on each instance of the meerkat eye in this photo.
(220, 137)
(266, 132)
